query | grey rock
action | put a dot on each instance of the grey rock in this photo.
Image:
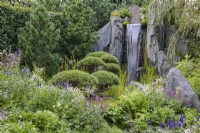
(138, 85)
(135, 14)
(180, 45)
(175, 80)
(104, 38)
(162, 64)
(152, 46)
(117, 37)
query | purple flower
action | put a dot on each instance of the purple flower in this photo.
(135, 130)
(150, 123)
(168, 122)
(162, 125)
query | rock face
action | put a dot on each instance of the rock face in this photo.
(162, 64)
(185, 93)
(133, 37)
(104, 38)
(152, 46)
(117, 38)
(135, 14)
(181, 47)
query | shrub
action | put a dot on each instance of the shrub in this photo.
(111, 67)
(91, 64)
(76, 78)
(115, 13)
(190, 70)
(124, 12)
(45, 120)
(105, 79)
(108, 58)
(98, 54)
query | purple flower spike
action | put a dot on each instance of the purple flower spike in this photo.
(150, 123)
(135, 131)
(101, 107)
(168, 122)
(181, 119)
(4, 72)
(38, 83)
(162, 125)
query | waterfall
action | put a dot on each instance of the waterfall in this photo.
(133, 39)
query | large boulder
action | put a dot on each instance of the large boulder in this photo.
(162, 64)
(180, 45)
(177, 86)
(117, 38)
(152, 46)
(135, 14)
(104, 38)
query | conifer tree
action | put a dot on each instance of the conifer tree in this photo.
(38, 40)
(77, 30)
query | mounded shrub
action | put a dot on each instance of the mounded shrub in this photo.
(112, 67)
(105, 79)
(91, 64)
(108, 58)
(76, 78)
(98, 54)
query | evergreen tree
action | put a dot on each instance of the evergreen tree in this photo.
(77, 30)
(38, 40)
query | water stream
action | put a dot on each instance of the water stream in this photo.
(133, 39)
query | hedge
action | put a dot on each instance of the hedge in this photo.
(91, 64)
(105, 79)
(76, 78)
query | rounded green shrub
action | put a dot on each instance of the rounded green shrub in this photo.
(45, 120)
(91, 64)
(76, 78)
(112, 67)
(105, 79)
(98, 54)
(108, 58)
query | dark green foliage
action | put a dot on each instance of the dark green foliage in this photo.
(91, 64)
(105, 79)
(77, 30)
(76, 78)
(112, 67)
(12, 18)
(102, 10)
(108, 58)
(38, 40)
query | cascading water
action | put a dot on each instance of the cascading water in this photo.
(133, 39)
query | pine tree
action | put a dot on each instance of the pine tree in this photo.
(77, 32)
(38, 40)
